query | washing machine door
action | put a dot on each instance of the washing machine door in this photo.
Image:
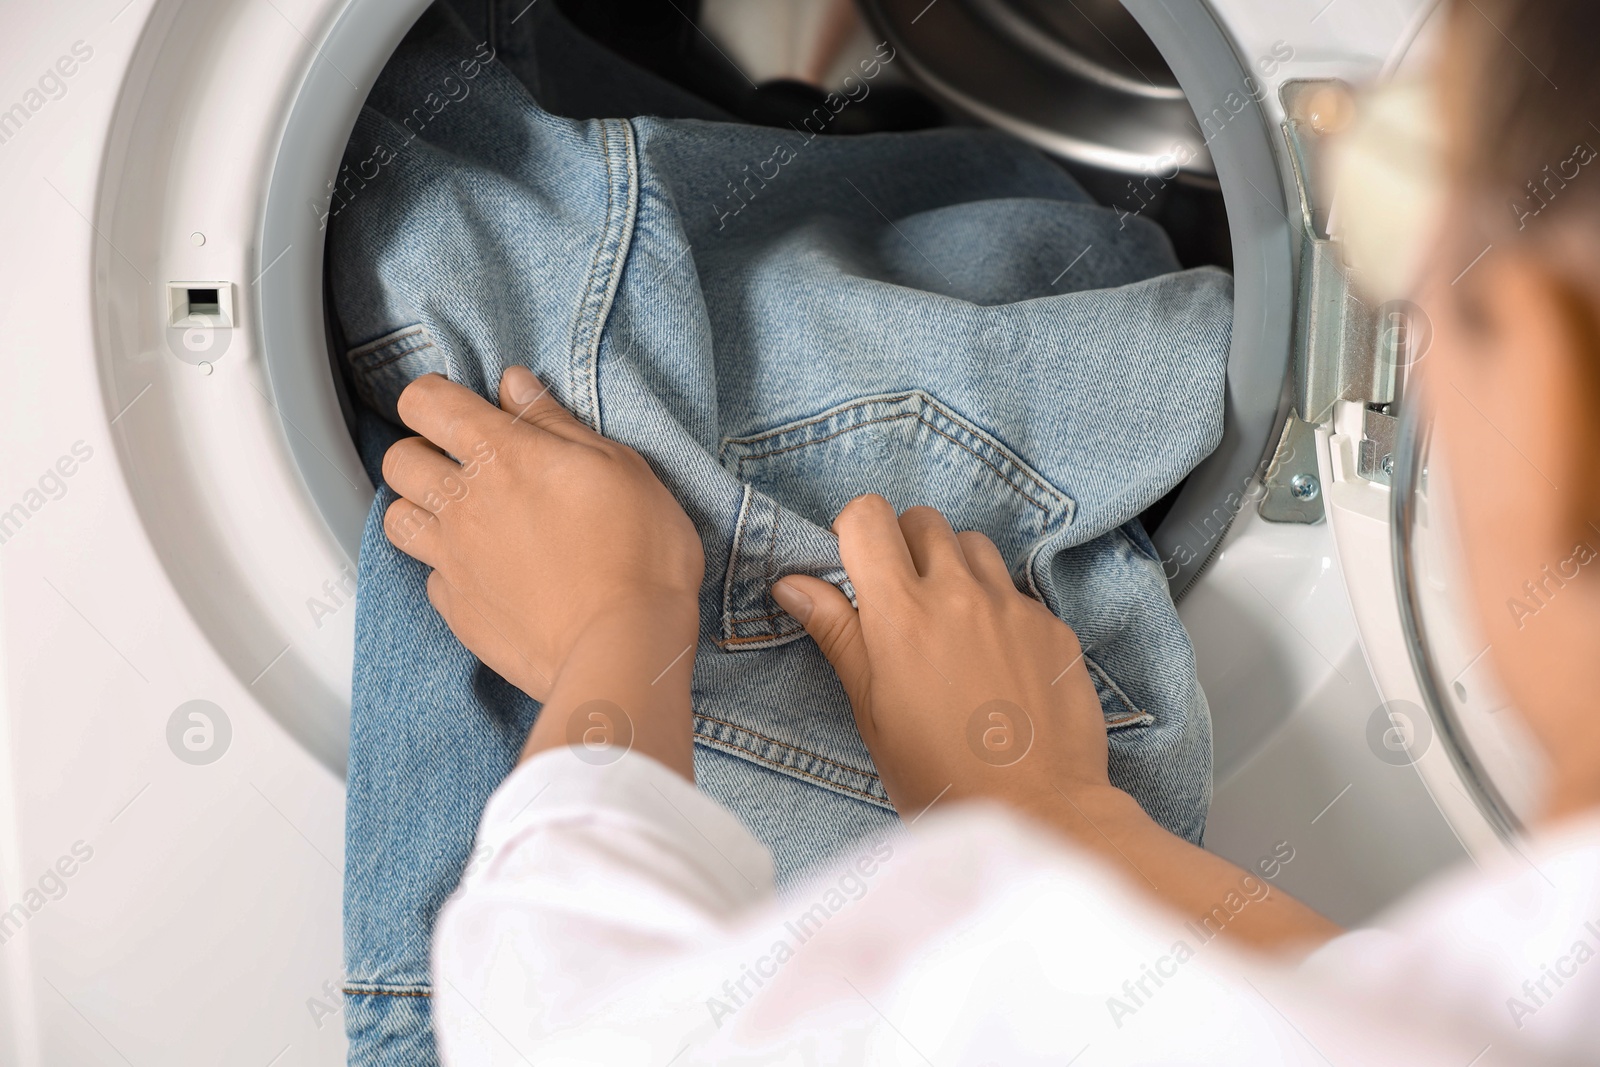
(223, 152)
(1493, 755)
(1388, 500)
(1385, 493)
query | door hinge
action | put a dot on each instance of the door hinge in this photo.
(1346, 349)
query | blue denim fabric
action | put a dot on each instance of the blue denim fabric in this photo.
(778, 323)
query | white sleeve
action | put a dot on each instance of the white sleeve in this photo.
(585, 879)
(616, 915)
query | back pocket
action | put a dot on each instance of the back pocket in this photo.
(912, 450)
(382, 368)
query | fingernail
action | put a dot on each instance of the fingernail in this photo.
(793, 601)
(523, 385)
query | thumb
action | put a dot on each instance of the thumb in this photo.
(530, 400)
(835, 626)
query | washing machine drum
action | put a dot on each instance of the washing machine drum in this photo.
(1084, 81)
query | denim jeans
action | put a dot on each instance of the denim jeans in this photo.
(778, 322)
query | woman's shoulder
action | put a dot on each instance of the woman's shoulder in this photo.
(1509, 942)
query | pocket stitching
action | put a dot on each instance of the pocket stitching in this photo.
(985, 461)
(780, 637)
(784, 768)
(368, 991)
(818, 440)
(369, 363)
(731, 621)
(386, 340)
(927, 401)
(800, 424)
(770, 566)
(1055, 508)
(745, 502)
(764, 618)
(784, 744)
(380, 363)
(1111, 684)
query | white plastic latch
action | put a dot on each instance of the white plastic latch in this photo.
(204, 304)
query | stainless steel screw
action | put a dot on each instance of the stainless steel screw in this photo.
(1305, 487)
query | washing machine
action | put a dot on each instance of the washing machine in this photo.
(181, 503)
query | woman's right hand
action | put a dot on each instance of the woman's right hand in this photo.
(961, 684)
(965, 688)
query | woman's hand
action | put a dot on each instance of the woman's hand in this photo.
(960, 683)
(965, 688)
(559, 559)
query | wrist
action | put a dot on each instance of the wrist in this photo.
(624, 685)
(636, 655)
(1089, 813)
(641, 613)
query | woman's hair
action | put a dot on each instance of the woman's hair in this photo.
(1530, 78)
(1527, 115)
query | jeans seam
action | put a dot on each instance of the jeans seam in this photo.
(783, 768)
(578, 372)
(768, 566)
(594, 307)
(1101, 672)
(986, 462)
(733, 562)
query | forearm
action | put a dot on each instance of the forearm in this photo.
(1202, 887)
(626, 685)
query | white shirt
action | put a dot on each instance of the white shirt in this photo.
(615, 915)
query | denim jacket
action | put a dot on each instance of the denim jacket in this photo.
(778, 321)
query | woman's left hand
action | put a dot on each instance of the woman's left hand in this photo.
(558, 557)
